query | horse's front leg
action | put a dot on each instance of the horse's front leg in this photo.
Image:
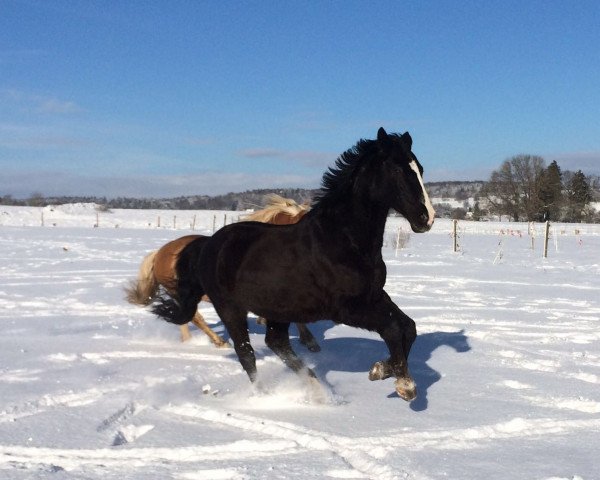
(398, 332)
(398, 336)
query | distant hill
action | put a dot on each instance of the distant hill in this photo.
(458, 191)
(446, 197)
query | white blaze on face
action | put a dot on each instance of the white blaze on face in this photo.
(428, 206)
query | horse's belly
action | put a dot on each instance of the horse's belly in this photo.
(287, 302)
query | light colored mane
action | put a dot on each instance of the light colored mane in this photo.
(276, 204)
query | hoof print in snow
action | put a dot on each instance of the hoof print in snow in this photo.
(130, 434)
(118, 417)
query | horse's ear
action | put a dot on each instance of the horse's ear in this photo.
(406, 137)
(382, 135)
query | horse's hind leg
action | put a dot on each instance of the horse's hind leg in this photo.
(236, 323)
(199, 321)
(278, 340)
(307, 338)
(184, 330)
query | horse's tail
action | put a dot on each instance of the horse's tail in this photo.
(181, 307)
(143, 290)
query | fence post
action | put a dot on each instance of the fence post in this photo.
(224, 220)
(174, 222)
(214, 223)
(454, 236)
(42, 218)
(531, 232)
(546, 235)
(194, 223)
(158, 222)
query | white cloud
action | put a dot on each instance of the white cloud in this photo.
(45, 104)
(56, 106)
(16, 136)
(307, 158)
(261, 153)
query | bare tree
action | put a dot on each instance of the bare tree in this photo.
(513, 189)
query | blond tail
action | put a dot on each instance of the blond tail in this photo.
(143, 290)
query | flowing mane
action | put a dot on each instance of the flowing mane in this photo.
(276, 205)
(338, 179)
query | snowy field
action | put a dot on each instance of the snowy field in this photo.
(507, 363)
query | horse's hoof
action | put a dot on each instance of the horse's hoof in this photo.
(379, 371)
(406, 388)
(312, 345)
(223, 345)
(317, 393)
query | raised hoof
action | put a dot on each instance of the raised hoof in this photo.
(379, 371)
(222, 345)
(406, 389)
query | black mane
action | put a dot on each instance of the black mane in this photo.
(338, 179)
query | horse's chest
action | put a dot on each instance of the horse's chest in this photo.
(352, 277)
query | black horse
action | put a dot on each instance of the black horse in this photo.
(331, 266)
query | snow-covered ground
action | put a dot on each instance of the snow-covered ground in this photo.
(507, 363)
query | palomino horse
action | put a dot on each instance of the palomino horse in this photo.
(331, 266)
(158, 268)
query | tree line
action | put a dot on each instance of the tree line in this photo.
(229, 201)
(525, 189)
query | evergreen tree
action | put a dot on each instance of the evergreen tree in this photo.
(550, 193)
(579, 195)
(478, 213)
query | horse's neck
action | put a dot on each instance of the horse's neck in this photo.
(362, 223)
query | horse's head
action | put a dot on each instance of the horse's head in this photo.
(401, 181)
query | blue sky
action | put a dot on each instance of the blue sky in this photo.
(149, 98)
